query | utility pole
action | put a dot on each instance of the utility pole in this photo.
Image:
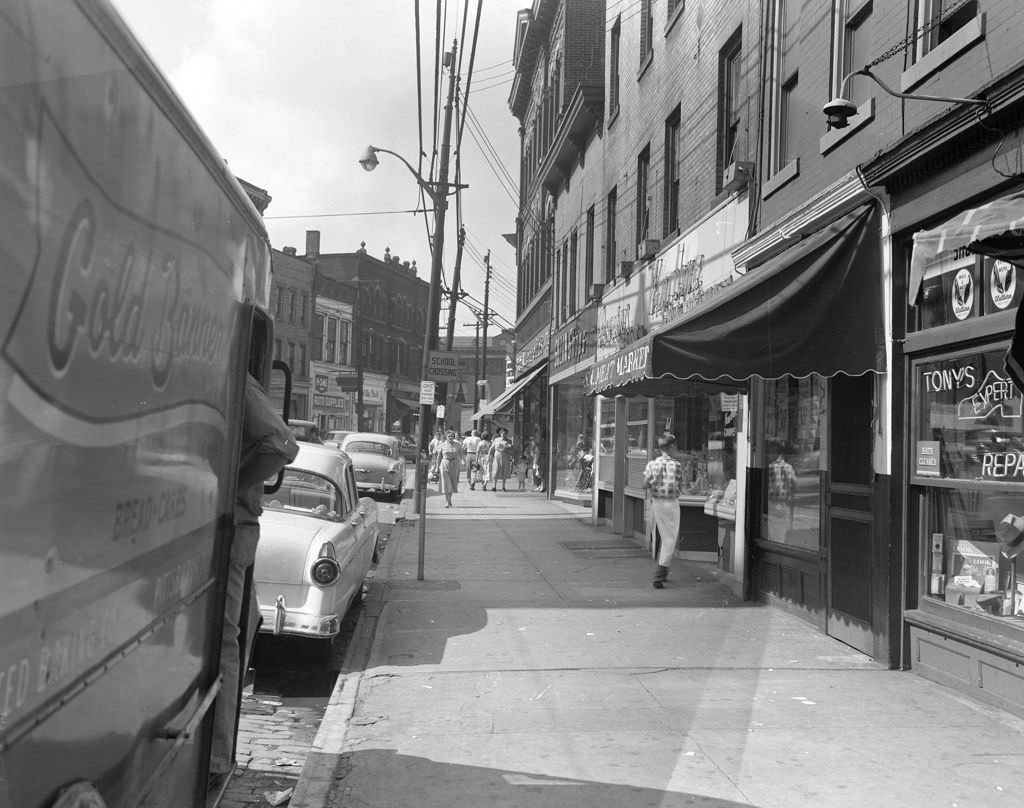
(440, 199)
(476, 364)
(487, 315)
(456, 289)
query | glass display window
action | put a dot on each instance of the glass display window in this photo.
(638, 440)
(573, 460)
(959, 285)
(967, 471)
(703, 421)
(606, 444)
(794, 422)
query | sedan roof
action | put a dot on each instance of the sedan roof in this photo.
(324, 460)
(372, 437)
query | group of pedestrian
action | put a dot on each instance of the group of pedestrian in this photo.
(488, 460)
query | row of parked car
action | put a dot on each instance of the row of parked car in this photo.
(320, 530)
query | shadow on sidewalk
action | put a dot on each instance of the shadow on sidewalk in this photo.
(457, 784)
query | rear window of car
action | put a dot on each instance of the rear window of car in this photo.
(368, 447)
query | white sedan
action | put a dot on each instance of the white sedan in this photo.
(318, 540)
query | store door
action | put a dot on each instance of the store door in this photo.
(850, 522)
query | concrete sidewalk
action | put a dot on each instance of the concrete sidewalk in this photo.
(536, 666)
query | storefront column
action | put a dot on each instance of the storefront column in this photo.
(619, 486)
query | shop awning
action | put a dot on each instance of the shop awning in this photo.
(995, 229)
(815, 308)
(505, 397)
(408, 403)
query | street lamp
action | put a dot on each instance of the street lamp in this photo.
(438, 193)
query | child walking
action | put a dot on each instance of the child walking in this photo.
(522, 464)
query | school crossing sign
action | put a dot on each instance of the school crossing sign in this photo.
(443, 367)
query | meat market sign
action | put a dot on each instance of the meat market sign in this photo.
(619, 369)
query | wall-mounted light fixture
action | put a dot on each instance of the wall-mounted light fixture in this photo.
(840, 109)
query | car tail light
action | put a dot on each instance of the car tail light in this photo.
(325, 569)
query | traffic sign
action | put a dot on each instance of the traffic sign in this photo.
(427, 392)
(443, 367)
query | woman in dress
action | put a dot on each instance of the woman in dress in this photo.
(482, 450)
(500, 459)
(449, 456)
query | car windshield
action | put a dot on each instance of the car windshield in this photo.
(368, 447)
(304, 492)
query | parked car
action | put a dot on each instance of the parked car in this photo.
(378, 463)
(305, 430)
(336, 436)
(408, 448)
(318, 540)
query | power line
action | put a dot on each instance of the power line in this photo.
(356, 213)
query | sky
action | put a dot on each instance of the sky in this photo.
(291, 92)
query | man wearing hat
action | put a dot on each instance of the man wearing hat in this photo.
(663, 481)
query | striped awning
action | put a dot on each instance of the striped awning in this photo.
(995, 229)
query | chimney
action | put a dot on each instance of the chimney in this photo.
(288, 250)
(312, 244)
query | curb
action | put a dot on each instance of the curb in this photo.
(320, 774)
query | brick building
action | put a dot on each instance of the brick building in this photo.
(780, 290)
(291, 305)
(388, 324)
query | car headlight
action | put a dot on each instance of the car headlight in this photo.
(392, 468)
(325, 570)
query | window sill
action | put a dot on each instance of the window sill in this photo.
(832, 138)
(928, 64)
(784, 175)
(646, 63)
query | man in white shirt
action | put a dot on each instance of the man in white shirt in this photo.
(469, 446)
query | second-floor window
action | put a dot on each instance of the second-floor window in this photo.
(643, 191)
(330, 339)
(613, 68)
(938, 20)
(344, 329)
(670, 223)
(610, 248)
(728, 102)
(785, 77)
(851, 42)
(588, 252)
(646, 30)
(573, 272)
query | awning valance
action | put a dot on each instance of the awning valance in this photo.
(995, 229)
(506, 397)
(629, 365)
(815, 308)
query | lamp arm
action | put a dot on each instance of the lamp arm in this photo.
(866, 71)
(420, 181)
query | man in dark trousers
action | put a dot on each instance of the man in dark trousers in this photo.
(267, 447)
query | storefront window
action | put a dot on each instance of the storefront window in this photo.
(573, 461)
(606, 449)
(968, 429)
(794, 420)
(704, 425)
(638, 424)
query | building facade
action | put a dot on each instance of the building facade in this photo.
(389, 312)
(806, 301)
(291, 304)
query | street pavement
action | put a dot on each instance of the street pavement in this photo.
(535, 665)
(275, 732)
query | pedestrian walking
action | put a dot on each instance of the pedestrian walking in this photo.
(663, 479)
(449, 465)
(483, 450)
(469, 447)
(500, 459)
(522, 466)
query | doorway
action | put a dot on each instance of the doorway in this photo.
(850, 515)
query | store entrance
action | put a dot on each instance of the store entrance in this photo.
(850, 523)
